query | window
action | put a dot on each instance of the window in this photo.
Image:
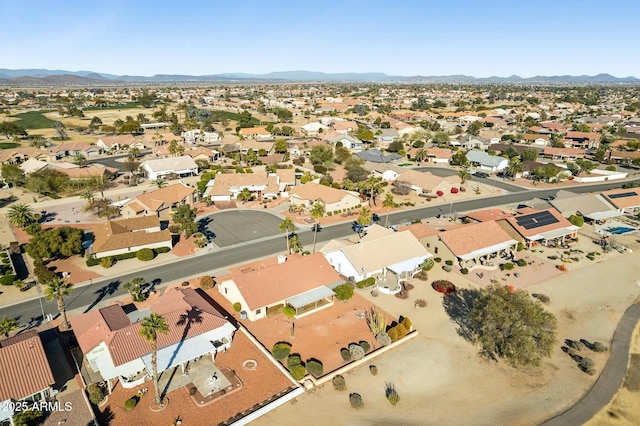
(258, 311)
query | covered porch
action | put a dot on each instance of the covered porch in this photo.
(310, 301)
(486, 256)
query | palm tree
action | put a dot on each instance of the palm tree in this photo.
(134, 287)
(150, 327)
(20, 215)
(161, 183)
(134, 152)
(421, 155)
(58, 289)
(514, 167)
(317, 211)
(88, 195)
(299, 209)
(80, 160)
(364, 218)
(287, 226)
(388, 202)
(100, 183)
(7, 325)
(464, 175)
(374, 184)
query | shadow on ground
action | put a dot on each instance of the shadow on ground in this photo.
(458, 306)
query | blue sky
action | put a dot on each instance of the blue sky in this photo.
(427, 37)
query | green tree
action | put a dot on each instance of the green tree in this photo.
(151, 326)
(464, 175)
(576, 220)
(441, 138)
(80, 160)
(388, 203)
(10, 129)
(12, 174)
(287, 226)
(90, 196)
(529, 154)
(95, 122)
(244, 195)
(510, 325)
(60, 129)
(321, 155)
(459, 159)
(372, 187)
(341, 154)
(421, 155)
(7, 325)
(185, 217)
(474, 128)
(57, 289)
(280, 146)
(317, 211)
(585, 166)
(20, 215)
(161, 183)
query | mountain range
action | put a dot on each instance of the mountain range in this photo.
(35, 77)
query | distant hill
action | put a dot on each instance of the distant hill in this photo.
(32, 77)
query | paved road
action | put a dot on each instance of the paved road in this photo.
(86, 297)
(491, 181)
(610, 379)
(237, 226)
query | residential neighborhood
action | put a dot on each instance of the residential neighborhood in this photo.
(233, 252)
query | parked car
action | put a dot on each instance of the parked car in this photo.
(375, 217)
(209, 234)
(481, 174)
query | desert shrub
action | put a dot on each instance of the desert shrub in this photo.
(541, 297)
(356, 351)
(437, 259)
(298, 371)
(365, 346)
(206, 282)
(28, 418)
(391, 394)
(174, 229)
(7, 279)
(367, 282)
(521, 262)
(345, 354)
(587, 365)
(599, 347)
(343, 292)
(93, 261)
(506, 266)
(397, 332)
(406, 322)
(420, 303)
(355, 400)
(576, 220)
(96, 393)
(373, 370)
(106, 262)
(464, 271)
(145, 254)
(293, 359)
(193, 391)
(339, 383)
(237, 306)
(444, 286)
(520, 246)
(130, 403)
(289, 311)
(314, 367)
(448, 262)
(383, 339)
(428, 264)
(281, 350)
(393, 334)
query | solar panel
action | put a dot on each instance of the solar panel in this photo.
(623, 195)
(536, 220)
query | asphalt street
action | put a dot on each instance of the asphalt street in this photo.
(86, 297)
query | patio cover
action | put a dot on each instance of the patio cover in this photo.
(407, 265)
(554, 233)
(603, 215)
(488, 250)
(310, 297)
(176, 354)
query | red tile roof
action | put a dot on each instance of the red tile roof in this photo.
(24, 369)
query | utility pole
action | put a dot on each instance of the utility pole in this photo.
(39, 287)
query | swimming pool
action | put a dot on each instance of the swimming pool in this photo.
(620, 230)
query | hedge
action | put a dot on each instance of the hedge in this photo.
(92, 261)
(145, 254)
(293, 360)
(315, 368)
(281, 350)
(7, 279)
(367, 282)
(298, 372)
(343, 292)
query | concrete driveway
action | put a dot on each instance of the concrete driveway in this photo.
(239, 226)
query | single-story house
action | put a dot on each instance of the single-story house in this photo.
(333, 199)
(118, 142)
(302, 282)
(75, 148)
(588, 140)
(129, 235)
(589, 206)
(626, 199)
(471, 142)
(384, 137)
(344, 127)
(255, 133)
(161, 201)
(312, 129)
(351, 143)
(486, 215)
(541, 226)
(113, 347)
(25, 373)
(17, 156)
(202, 153)
(380, 251)
(180, 166)
(227, 186)
(478, 243)
(428, 183)
(564, 154)
(484, 161)
(376, 156)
